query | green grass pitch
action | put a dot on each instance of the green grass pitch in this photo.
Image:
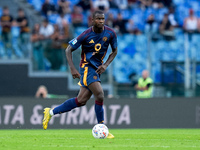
(125, 139)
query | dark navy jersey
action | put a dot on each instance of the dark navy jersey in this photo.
(94, 45)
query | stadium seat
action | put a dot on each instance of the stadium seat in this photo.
(194, 5)
(68, 18)
(114, 12)
(1, 12)
(30, 1)
(74, 2)
(1, 45)
(37, 4)
(125, 13)
(55, 2)
(15, 31)
(53, 18)
(178, 2)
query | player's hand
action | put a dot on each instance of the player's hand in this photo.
(101, 69)
(75, 74)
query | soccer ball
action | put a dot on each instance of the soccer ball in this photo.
(100, 131)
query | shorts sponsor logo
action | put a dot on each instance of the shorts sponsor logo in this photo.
(95, 77)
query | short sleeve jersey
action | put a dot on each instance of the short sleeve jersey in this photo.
(24, 28)
(94, 45)
(6, 18)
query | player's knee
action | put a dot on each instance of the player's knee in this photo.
(82, 104)
(82, 101)
(100, 96)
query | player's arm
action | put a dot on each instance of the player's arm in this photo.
(74, 71)
(143, 88)
(103, 67)
(111, 57)
(140, 88)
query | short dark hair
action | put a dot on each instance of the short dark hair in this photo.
(46, 20)
(20, 9)
(97, 12)
(5, 7)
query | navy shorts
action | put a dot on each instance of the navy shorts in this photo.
(88, 76)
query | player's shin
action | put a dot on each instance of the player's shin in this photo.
(66, 106)
(99, 111)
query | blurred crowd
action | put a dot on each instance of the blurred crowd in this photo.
(45, 42)
(15, 35)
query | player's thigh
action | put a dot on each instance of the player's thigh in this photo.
(84, 95)
(97, 90)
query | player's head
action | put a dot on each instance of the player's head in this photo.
(41, 92)
(47, 1)
(191, 12)
(36, 27)
(5, 10)
(45, 22)
(21, 12)
(98, 19)
(145, 74)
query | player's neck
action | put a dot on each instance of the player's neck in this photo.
(97, 30)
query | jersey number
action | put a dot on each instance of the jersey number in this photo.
(97, 48)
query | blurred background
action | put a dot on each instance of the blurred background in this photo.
(160, 36)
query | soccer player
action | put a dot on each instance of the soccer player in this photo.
(94, 41)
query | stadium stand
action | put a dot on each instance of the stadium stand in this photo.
(133, 53)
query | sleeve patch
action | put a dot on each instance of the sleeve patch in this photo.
(74, 41)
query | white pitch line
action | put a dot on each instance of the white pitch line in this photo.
(130, 139)
(150, 146)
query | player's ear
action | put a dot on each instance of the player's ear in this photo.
(92, 20)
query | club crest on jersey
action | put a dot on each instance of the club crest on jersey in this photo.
(74, 42)
(105, 39)
(91, 41)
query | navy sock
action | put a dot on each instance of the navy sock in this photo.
(99, 111)
(66, 106)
